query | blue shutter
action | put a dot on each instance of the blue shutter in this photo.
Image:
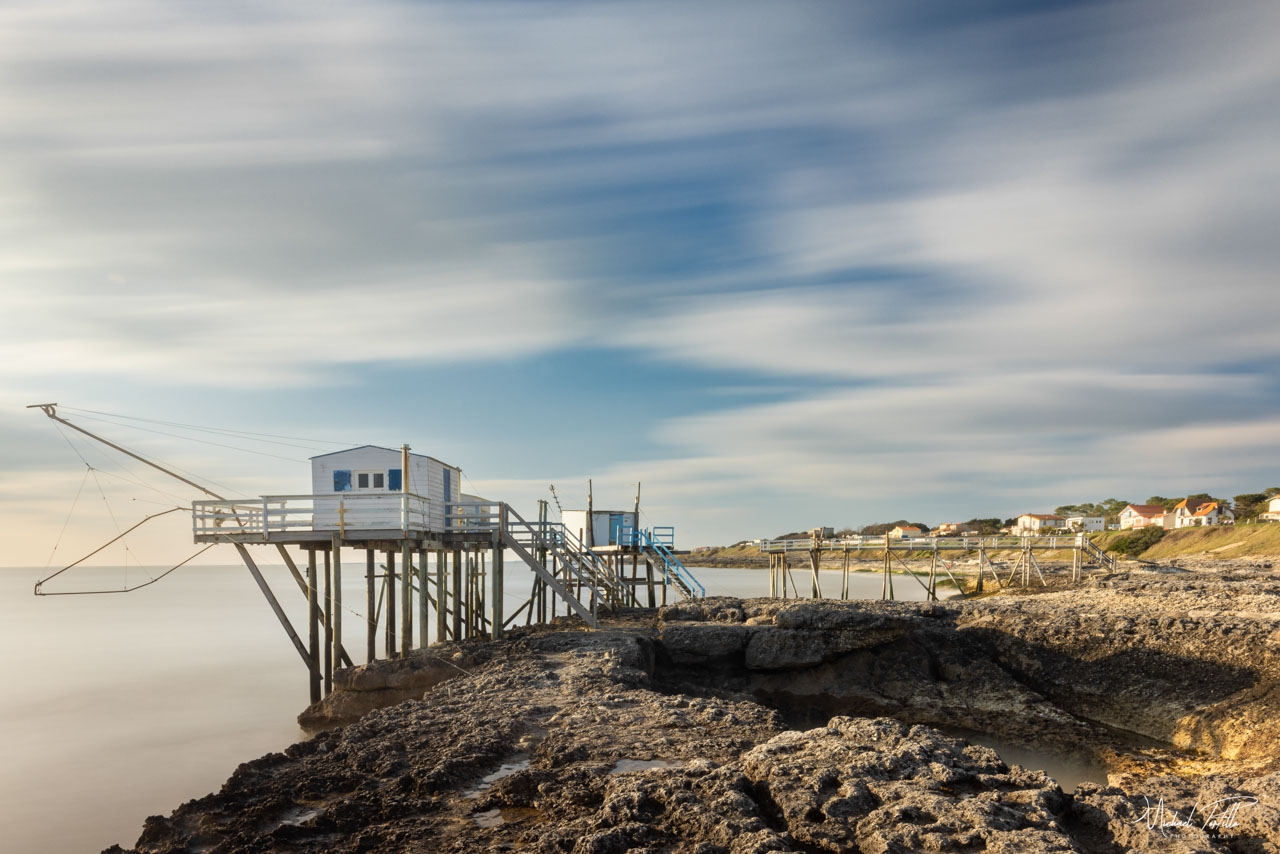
(342, 480)
(393, 480)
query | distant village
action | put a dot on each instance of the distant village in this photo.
(1113, 514)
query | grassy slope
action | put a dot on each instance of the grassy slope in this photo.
(1221, 541)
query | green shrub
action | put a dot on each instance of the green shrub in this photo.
(1138, 542)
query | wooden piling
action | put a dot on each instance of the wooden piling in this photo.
(423, 598)
(406, 597)
(371, 606)
(442, 598)
(458, 593)
(390, 640)
(339, 653)
(313, 626)
(328, 624)
(497, 581)
(815, 560)
(886, 589)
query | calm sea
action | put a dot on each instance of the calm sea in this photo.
(120, 706)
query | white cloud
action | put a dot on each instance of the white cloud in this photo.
(228, 334)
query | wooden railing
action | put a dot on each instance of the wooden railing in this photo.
(285, 514)
(924, 544)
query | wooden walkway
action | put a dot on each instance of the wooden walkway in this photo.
(936, 554)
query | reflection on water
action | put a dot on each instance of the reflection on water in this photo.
(1069, 771)
(504, 771)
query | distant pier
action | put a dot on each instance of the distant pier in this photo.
(934, 555)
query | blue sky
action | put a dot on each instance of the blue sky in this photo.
(786, 264)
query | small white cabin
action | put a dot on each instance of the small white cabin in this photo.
(375, 476)
(476, 513)
(606, 525)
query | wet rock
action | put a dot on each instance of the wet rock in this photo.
(360, 690)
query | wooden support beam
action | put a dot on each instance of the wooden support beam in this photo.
(371, 606)
(495, 598)
(555, 574)
(293, 568)
(458, 594)
(339, 652)
(313, 626)
(423, 598)
(886, 588)
(302, 586)
(406, 597)
(284, 620)
(390, 587)
(328, 624)
(442, 598)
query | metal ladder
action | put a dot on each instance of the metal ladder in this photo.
(674, 572)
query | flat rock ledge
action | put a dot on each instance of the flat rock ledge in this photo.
(726, 726)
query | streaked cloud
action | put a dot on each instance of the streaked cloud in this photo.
(968, 250)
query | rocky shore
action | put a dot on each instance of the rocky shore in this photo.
(743, 726)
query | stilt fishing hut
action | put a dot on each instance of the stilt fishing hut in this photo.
(433, 557)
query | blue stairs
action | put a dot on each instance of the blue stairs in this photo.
(656, 545)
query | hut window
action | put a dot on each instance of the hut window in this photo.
(371, 480)
(393, 480)
(342, 480)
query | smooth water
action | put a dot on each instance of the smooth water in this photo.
(1069, 771)
(120, 706)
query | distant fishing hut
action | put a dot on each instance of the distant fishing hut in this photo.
(605, 528)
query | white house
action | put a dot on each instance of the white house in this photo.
(1191, 513)
(1039, 523)
(1141, 516)
(373, 479)
(606, 525)
(905, 532)
(1273, 510)
(1086, 523)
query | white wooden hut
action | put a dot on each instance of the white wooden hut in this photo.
(476, 513)
(373, 479)
(607, 526)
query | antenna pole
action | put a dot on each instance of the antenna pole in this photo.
(50, 409)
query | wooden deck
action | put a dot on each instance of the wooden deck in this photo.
(417, 576)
